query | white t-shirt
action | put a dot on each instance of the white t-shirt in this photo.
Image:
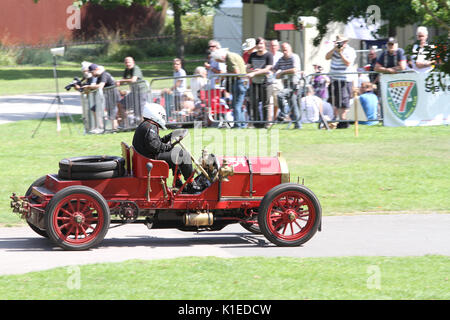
(196, 85)
(182, 87)
(419, 55)
(309, 108)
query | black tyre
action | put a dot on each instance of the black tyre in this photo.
(289, 215)
(92, 164)
(62, 174)
(38, 183)
(77, 218)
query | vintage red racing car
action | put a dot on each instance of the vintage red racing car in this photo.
(75, 207)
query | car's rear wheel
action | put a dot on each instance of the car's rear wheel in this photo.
(289, 215)
(77, 218)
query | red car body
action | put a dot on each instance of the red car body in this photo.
(252, 191)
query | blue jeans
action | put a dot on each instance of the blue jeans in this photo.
(288, 104)
(239, 89)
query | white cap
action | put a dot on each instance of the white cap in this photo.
(249, 43)
(85, 65)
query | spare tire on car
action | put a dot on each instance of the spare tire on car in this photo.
(91, 167)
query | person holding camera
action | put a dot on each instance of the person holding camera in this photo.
(342, 58)
(106, 80)
(87, 78)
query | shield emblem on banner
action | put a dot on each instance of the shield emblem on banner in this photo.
(402, 97)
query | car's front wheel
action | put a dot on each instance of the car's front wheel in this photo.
(289, 215)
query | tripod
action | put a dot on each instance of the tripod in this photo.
(59, 102)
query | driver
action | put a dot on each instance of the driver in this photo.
(147, 142)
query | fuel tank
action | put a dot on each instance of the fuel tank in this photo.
(253, 176)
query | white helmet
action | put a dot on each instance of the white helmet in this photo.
(156, 113)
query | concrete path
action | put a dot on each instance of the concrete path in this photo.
(21, 250)
(35, 106)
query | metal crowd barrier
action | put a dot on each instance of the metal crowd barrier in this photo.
(182, 106)
(332, 100)
(260, 105)
(353, 115)
(212, 103)
(114, 108)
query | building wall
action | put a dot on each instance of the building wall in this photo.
(26, 22)
(23, 22)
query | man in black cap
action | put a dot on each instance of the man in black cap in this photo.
(391, 60)
(105, 80)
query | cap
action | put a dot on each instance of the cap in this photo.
(93, 67)
(340, 38)
(249, 44)
(391, 40)
(318, 66)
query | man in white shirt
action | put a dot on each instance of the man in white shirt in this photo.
(418, 58)
(277, 85)
(212, 66)
(179, 85)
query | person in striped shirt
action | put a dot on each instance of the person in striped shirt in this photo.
(342, 58)
(288, 69)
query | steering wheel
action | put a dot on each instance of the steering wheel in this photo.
(178, 135)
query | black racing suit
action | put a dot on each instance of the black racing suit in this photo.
(147, 142)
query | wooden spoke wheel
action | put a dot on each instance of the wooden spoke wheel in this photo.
(289, 215)
(77, 218)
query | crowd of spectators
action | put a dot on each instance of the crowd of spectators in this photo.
(261, 85)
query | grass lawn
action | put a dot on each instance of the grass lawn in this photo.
(250, 278)
(31, 79)
(383, 170)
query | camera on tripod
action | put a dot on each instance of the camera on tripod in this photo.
(76, 82)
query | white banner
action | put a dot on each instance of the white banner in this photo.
(415, 99)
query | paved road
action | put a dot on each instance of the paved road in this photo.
(21, 250)
(35, 106)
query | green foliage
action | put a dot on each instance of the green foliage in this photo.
(8, 56)
(398, 13)
(433, 12)
(437, 13)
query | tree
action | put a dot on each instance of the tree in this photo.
(179, 8)
(397, 13)
(437, 13)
